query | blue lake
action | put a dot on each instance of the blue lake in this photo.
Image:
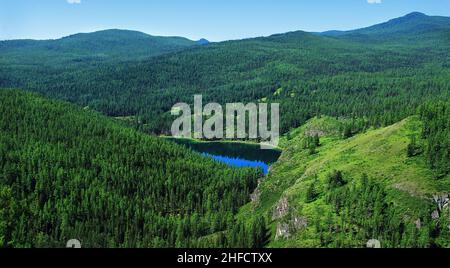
(239, 162)
(234, 154)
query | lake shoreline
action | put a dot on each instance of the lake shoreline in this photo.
(231, 152)
(221, 141)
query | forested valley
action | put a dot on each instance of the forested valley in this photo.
(364, 117)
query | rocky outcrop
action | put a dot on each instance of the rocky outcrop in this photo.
(300, 222)
(282, 231)
(255, 197)
(442, 202)
(290, 222)
(287, 228)
(281, 209)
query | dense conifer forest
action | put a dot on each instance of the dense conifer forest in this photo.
(364, 117)
(68, 173)
(307, 73)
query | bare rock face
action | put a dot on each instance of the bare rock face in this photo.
(290, 222)
(282, 231)
(286, 229)
(300, 222)
(281, 209)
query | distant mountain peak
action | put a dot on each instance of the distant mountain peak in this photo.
(416, 14)
(110, 33)
(111, 43)
(203, 41)
(412, 23)
(411, 16)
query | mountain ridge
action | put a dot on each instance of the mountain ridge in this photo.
(242, 70)
(406, 18)
(415, 22)
(100, 45)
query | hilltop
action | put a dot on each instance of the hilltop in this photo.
(106, 45)
(407, 28)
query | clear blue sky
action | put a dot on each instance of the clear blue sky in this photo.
(215, 20)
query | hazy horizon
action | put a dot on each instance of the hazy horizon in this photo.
(213, 20)
(108, 29)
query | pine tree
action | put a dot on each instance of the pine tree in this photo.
(311, 192)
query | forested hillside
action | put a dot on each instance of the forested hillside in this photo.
(365, 122)
(307, 73)
(405, 28)
(90, 48)
(331, 190)
(68, 173)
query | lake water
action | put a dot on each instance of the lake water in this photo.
(234, 154)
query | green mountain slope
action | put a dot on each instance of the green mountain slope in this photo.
(407, 28)
(380, 171)
(308, 74)
(85, 48)
(66, 173)
(345, 192)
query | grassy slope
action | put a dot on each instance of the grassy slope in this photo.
(379, 153)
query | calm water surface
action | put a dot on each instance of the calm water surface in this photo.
(234, 154)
